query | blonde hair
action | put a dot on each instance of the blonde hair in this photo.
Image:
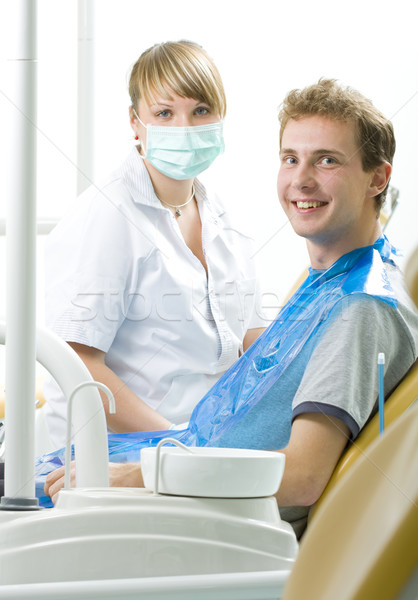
(374, 132)
(183, 67)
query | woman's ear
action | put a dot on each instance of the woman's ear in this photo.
(132, 117)
(380, 179)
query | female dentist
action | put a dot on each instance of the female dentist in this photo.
(148, 280)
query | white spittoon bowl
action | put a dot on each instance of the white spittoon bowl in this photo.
(213, 472)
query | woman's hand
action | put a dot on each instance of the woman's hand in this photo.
(120, 475)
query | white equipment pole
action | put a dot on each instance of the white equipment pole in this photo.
(21, 272)
(85, 95)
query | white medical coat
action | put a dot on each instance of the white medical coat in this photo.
(120, 278)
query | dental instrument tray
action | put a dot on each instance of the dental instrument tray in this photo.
(211, 472)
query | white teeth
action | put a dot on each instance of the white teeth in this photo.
(307, 204)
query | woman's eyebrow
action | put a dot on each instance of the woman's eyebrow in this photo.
(166, 103)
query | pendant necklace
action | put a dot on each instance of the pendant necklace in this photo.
(178, 206)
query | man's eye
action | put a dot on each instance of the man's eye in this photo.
(290, 160)
(328, 160)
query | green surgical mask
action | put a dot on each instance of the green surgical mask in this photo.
(183, 152)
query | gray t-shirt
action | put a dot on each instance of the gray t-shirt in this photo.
(336, 375)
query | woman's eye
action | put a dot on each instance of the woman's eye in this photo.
(164, 114)
(202, 110)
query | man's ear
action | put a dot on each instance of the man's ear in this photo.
(380, 179)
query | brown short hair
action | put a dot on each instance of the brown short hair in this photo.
(374, 132)
(183, 67)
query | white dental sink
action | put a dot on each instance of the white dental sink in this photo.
(133, 535)
(119, 533)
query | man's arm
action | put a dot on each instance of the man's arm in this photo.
(315, 446)
(132, 414)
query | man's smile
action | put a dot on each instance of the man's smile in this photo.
(308, 204)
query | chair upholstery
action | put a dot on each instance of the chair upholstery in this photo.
(362, 543)
(411, 275)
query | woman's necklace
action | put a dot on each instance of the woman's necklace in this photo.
(178, 206)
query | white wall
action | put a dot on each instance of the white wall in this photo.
(263, 49)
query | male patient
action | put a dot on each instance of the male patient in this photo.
(335, 164)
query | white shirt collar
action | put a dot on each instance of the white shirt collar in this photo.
(136, 178)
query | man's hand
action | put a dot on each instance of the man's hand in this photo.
(120, 475)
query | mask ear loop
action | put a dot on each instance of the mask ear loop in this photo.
(136, 137)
